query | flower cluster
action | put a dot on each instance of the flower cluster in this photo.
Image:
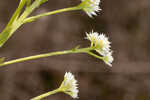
(90, 6)
(69, 85)
(101, 44)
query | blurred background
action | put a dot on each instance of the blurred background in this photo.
(125, 22)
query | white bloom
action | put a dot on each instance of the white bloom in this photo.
(91, 6)
(108, 59)
(100, 42)
(69, 85)
(102, 45)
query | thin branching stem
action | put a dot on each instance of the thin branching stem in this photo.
(46, 94)
(82, 50)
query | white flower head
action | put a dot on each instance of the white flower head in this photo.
(99, 41)
(108, 59)
(91, 6)
(69, 85)
(102, 45)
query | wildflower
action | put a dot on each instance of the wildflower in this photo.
(69, 85)
(104, 44)
(101, 44)
(90, 6)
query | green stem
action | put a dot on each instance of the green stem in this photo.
(82, 50)
(33, 18)
(5, 34)
(16, 22)
(92, 54)
(46, 94)
(30, 9)
(17, 12)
